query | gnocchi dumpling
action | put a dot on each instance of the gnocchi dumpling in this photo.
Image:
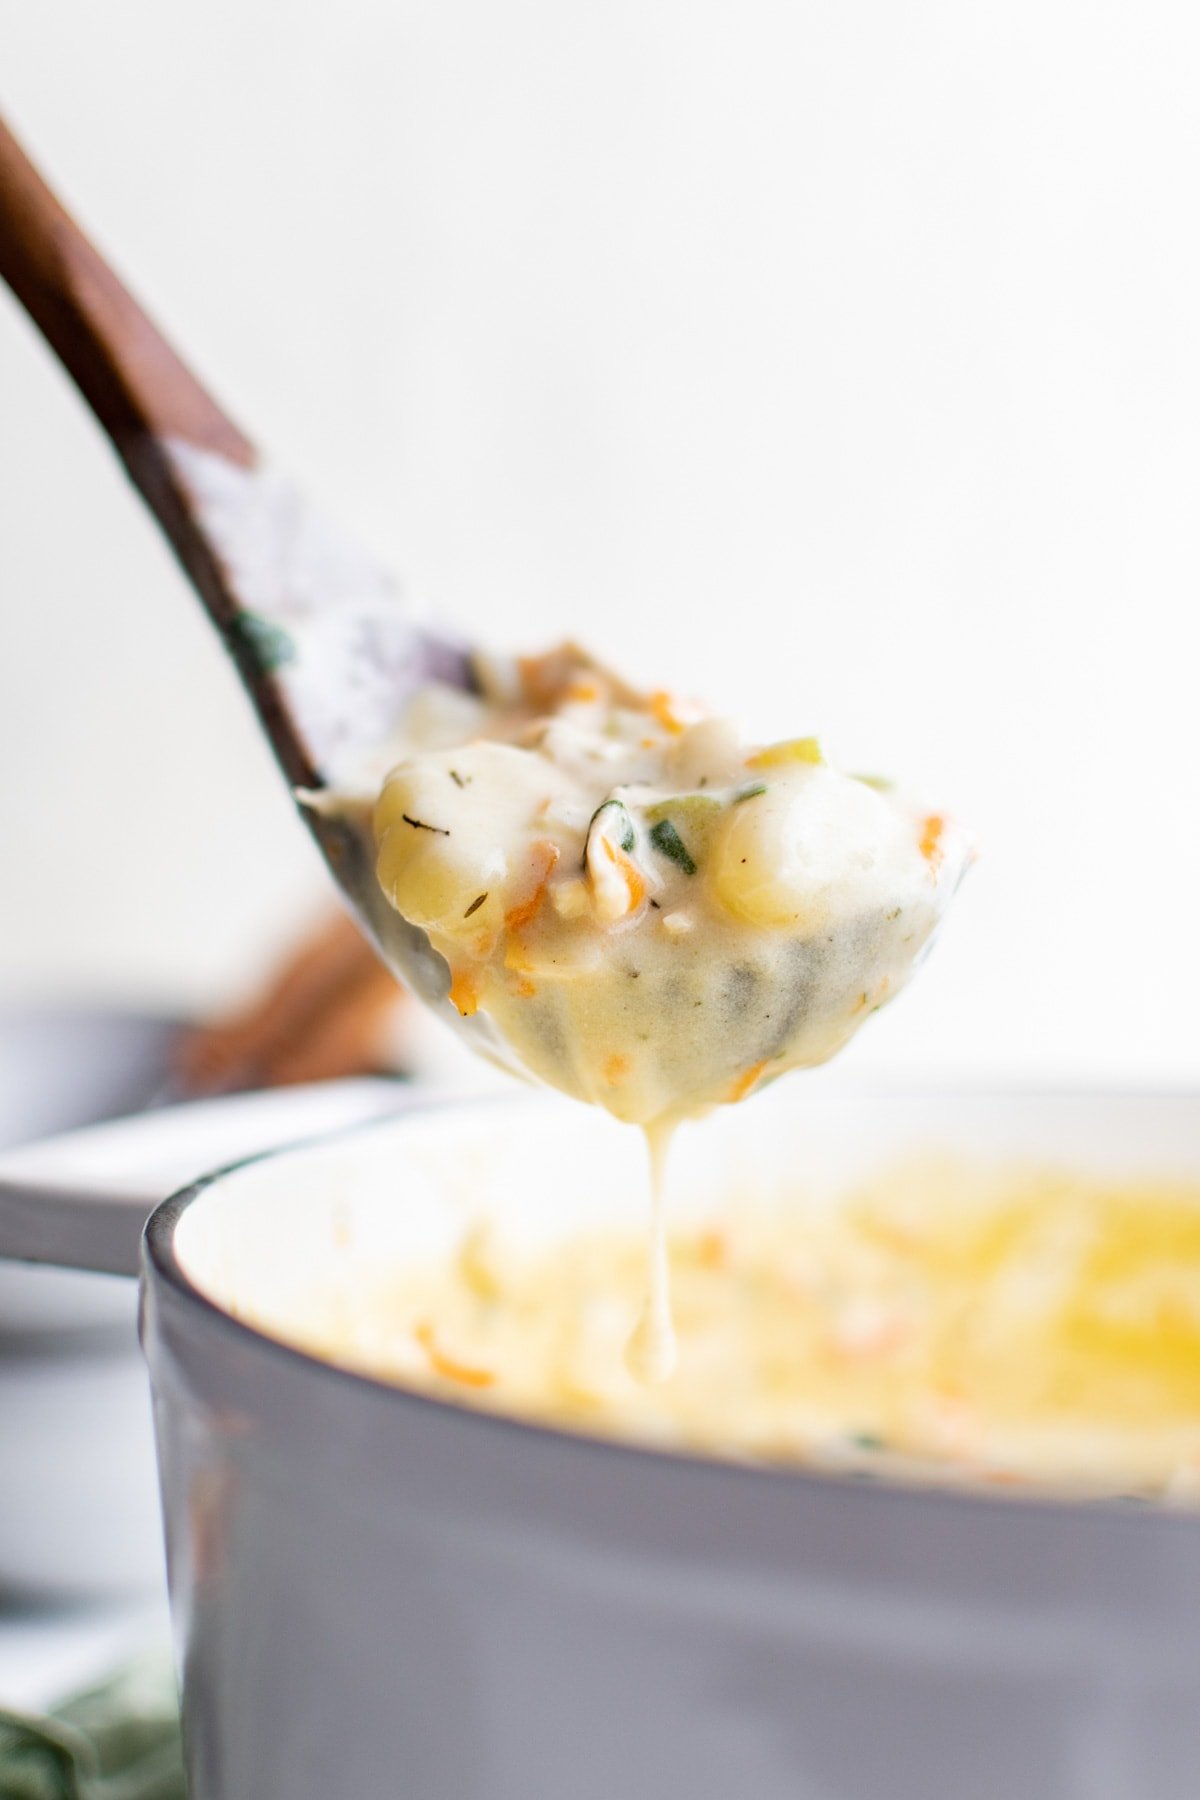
(455, 831)
(811, 844)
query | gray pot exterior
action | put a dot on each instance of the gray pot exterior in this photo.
(379, 1596)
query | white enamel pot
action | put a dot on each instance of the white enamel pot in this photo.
(382, 1595)
(379, 1595)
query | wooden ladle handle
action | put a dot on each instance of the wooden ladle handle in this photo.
(144, 396)
(122, 364)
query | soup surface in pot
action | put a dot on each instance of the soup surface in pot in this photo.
(961, 1322)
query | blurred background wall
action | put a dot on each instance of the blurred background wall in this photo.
(836, 361)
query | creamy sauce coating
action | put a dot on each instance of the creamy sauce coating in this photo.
(653, 1351)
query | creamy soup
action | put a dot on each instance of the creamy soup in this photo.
(949, 1321)
(656, 915)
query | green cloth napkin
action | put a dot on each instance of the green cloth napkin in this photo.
(119, 1741)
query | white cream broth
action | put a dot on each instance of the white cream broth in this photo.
(977, 1291)
(656, 915)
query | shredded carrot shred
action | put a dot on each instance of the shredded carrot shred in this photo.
(746, 1080)
(931, 839)
(712, 1250)
(545, 855)
(448, 1366)
(544, 679)
(663, 707)
(526, 911)
(633, 878)
(464, 992)
(583, 690)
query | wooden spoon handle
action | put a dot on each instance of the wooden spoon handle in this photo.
(144, 397)
(122, 364)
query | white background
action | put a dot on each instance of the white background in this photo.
(839, 362)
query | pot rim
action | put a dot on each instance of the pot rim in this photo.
(160, 1261)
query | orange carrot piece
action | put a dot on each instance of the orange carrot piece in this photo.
(545, 855)
(633, 878)
(464, 992)
(712, 1250)
(448, 1366)
(663, 708)
(746, 1080)
(931, 839)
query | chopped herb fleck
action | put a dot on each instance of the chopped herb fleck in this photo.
(458, 780)
(655, 905)
(475, 905)
(420, 825)
(668, 843)
(749, 793)
(867, 1440)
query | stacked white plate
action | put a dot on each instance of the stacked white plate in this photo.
(78, 1494)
